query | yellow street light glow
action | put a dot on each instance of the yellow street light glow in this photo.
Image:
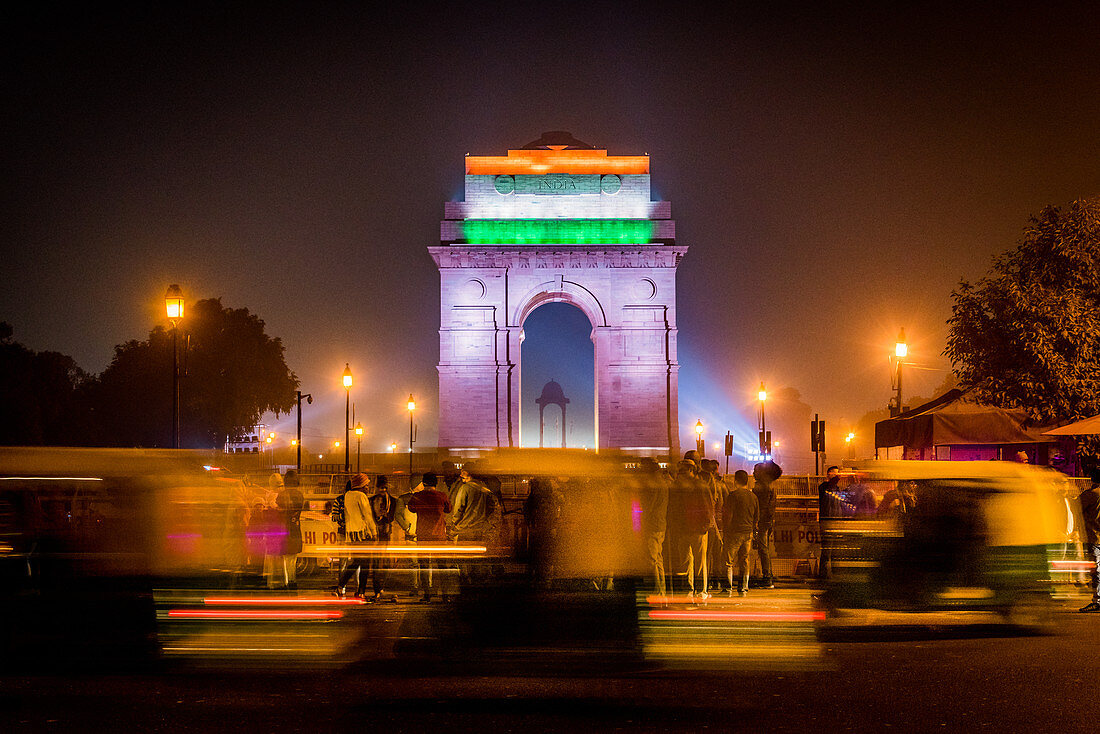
(699, 428)
(849, 437)
(901, 349)
(337, 444)
(293, 442)
(173, 302)
(393, 447)
(358, 429)
(268, 439)
(763, 394)
(347, 375)
(271, 434)
(412, 404)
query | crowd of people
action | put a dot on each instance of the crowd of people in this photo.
(688, 529)
(464, 510)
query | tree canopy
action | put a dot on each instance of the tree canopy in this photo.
(39, 399)
(232, 372)
(1027, 335)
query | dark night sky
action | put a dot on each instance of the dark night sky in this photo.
(834, 171)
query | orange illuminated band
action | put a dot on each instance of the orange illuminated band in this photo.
(719, 616)
(555, 161)
(251, 614)
(1072, 565)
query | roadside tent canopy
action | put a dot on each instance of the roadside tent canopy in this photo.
(1086, 427)
(954, 419)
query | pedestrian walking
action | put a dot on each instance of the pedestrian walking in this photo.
(828, 504)
(653, 495)
(383, 508)
(1090, 512)
(359, 525)
(290, 503)
(691, 510)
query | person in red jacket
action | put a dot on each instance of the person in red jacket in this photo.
(430, 506)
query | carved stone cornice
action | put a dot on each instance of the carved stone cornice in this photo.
(557, 256)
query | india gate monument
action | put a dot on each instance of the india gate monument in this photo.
(558, 220)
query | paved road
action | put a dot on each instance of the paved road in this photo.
(927, 679)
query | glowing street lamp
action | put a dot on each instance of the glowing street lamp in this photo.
(901, 350)
(700, 445)
(412, 407)
(393, 447)
(358, 446)
(347, 417)
(848, 442)
(173, 306)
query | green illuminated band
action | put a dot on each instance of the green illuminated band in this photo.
(557, 231)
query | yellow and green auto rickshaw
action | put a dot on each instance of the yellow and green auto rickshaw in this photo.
(931, 536)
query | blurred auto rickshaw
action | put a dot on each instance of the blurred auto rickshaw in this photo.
(968, 536)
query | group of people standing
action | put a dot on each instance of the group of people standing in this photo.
(706, 524)
(464, 509)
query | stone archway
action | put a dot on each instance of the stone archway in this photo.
(555, 222)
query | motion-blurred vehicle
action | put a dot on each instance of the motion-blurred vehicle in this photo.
(968, 536)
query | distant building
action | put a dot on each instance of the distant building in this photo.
(247, 444)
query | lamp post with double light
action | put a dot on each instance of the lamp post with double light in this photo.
(347, 417)
(412, 407)
(901, 350)
(765, 439)
(358, 446)
(173, 303)
(298, 441)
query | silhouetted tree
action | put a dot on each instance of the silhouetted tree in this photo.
(233, 373)
(39, 404)
(1027, 335)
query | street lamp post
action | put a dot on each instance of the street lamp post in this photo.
(298, 440)
(851, 448)
(173, 303)
(901, 349)
(765, 439)
(358, 446)
(700, 445)
(412, 407)
(347, 417)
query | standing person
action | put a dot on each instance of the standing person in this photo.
(828, 497)
(765, 474)
(383, 507)
(472, 518)
(1090, 512)
(653, 490)
(717, 489)
(430, 507)
(360, 528)
(406, 520)
(740, 513)
(692, 510)
(290, 502)
(542, 513)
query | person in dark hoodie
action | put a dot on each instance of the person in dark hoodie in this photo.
(765, 474)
